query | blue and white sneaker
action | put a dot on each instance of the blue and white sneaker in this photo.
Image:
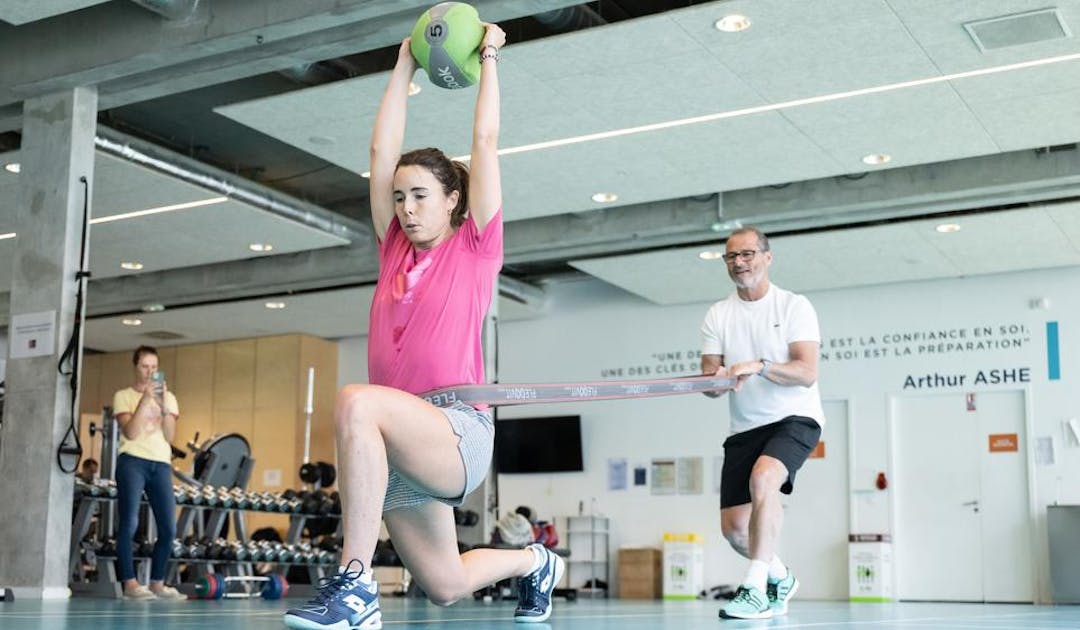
(343, 601)
(534, 590)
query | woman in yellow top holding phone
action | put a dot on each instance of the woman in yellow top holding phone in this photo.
(147, 414)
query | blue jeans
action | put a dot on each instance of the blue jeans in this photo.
(135, 475)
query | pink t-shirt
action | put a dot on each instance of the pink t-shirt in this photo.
(429, 308)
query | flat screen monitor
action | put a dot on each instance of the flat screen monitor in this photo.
(538, 445)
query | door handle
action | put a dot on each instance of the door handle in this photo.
(972, 504)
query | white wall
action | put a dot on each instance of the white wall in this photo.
(592, 329)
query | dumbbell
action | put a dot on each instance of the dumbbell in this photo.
(108, 548)
(83, 488)
(216, 587)
(282, 504)
(269, 501)
(143, 548)
(262, 551)
(195, 496)
(225, 498)
(240, 498)
(210, 496)
(216, 550)
(237, 551)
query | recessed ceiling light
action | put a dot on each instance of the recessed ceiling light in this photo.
(724, 226)
(6, 236)
(261, 247)
(711, 254)
(604, 197)
(946, 228)
(876, 159)
(13, 167)
(132, 265)
(414, 89)
(732, 23)
(170, 208)
(131, 321)
(275, 306)
(321, 140)
(153, 308)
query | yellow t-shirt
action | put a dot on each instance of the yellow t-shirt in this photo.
(152, 444)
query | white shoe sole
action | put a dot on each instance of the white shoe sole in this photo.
(765, 614)
(299, 623)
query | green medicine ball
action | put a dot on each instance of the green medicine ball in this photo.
(446, 44)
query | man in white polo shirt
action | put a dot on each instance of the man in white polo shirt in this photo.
(767, 338)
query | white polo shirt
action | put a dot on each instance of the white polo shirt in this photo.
(740, 330)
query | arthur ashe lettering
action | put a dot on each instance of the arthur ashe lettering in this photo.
(982, 377)
(496, 394)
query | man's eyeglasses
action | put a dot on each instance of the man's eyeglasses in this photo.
(745, 255)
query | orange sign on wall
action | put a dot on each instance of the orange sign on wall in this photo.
(1004, 443)
(818, 452)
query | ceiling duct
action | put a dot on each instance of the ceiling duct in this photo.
(193, 172)
(170, 9)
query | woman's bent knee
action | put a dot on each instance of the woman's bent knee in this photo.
(351, 403)
(444, 595)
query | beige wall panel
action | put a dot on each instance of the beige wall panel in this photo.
(117, 372)
(90, 384)
(234, 376)
(90, 403)
(273, 450)
(192, 381)
(276, 372)
(167, 363)
(232, 422)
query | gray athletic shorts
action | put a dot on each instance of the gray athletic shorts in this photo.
(477, 432)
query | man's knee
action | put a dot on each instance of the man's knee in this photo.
(767, 476)
(737, 532)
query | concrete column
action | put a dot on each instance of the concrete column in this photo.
(35, 495)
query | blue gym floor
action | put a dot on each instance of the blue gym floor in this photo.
(79, 614)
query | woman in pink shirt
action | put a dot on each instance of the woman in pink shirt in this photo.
(401, 459)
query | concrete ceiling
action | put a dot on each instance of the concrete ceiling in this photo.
(909, 251)
(328, 314)
(676, 65)
(222, 230)
(23, 11)
(696, 130)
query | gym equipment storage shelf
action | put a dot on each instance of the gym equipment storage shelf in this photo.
(587, 568)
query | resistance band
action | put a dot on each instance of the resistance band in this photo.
(503, 394)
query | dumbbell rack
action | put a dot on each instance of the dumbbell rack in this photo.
(107, 585)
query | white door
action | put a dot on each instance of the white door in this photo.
(1008, 571)
(815, 534)
(962, 516)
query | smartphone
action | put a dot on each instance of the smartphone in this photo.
(158, 376)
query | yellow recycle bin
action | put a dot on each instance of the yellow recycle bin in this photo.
(684, 566)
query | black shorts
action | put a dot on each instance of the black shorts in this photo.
(789, 440)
